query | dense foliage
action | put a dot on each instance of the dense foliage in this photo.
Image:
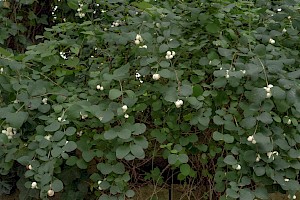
(93, 91)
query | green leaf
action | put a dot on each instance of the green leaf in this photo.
(278, 93)
(185, 169)
(70, 131)
(212, 28)
(246, 194)
(88, 156)
(70, 146)
(265, 118)
(183, 158)
(104, 168)
(16, 120)
(260, 50)
(163, 48)
(118, 168)
(259, 171)
(248, 122)
(54, 126)
(172, 159)
(130, 193)
(230, 160)
(81, 164)
(114, 93)
(218, 120)
(56, 151)
(122, 151)
(225, 52)
(139, 128)
(137, 151)
(110, 134)
(260, 138)
(261, 193)
(186, 90)
(71, 161)
(57, 185)
(124, 134)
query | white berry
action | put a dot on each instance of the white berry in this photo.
(124, 108)
(156, 76)
(33, 185)
(126, 116)
(178, 103)
(238, 167)
(50, 193)
(137, 42)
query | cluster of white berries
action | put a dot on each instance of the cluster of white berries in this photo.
(79, 133)
(268, 90)
(156, 76)
(99, 87)
(143, 47)
(50, 193)
(34, 185)
(53, 12)
(170, 55)
(251, 139)
(9, 132)
(294, 197)
(63, 55)
(79, 10)
(271, 154)
(238, 167)
(83, 116)
(138, 39)
(227, 74)
(258, 158)
(138, 76)
(61, 119)
(44, 100)
(283, 30)
(99, 182)
(48, 137)
(116, 23)
(124, 109)
(178, 103)
(271, 41)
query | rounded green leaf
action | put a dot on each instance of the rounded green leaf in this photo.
(57, 185)
(122, 151)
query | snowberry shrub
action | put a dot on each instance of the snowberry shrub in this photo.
(210, 87)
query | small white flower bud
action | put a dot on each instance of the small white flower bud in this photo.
(294, 197)
(279, 9)
(156, 76)
(29, 167)
(227, 76)
(50, 193)
(126, 116)
(289, 121)
(286, 180)
(59, 119)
